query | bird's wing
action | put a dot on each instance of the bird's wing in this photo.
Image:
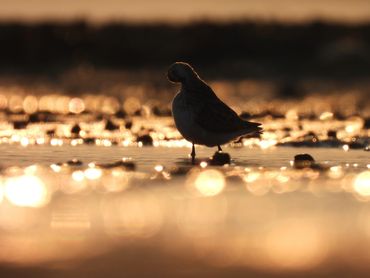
(214, 115)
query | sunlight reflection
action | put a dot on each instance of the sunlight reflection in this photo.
(209, 182)
(76, 105)
(26, 191)
(1, 192)
(93, 173)
(362, 184)
(335, 172)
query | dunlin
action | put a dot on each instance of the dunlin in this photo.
(200, 116)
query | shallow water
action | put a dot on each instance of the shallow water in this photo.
(147, 157)
(82, 195)
(258, 214)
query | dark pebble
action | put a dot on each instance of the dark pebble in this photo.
(138, 113)
(120, 114)
(179, 170)
(75, 129)
(161, 111)
(99, 117)
(367, 123)
(311, 136)
(89, 141)
(356, 146)
(339, 116)
(74, 162)
(111, 126)
(20, 124)
(332, 134)
(302, 161)
(146, 139)
(128, 125)
(220, 158)
(50, 132)
(127, 165)
(42, 117)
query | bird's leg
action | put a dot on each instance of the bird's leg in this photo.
(193, 154)
(219, 148)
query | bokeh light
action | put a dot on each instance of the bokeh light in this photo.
(26, 191)
(209, 182)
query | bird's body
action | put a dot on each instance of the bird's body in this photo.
(192, 131)
(200, 116)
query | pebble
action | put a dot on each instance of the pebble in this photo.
(20, 124)
(127, 165)
(74, 162)
(145, 139)
(304, 160)
(76, 129)
(220, 158)
(111, 126)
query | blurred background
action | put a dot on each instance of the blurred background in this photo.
(89, 46)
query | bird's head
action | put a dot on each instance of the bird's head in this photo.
(180, 72)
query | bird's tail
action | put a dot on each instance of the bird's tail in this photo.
(253, 128)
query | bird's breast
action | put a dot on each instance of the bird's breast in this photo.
(184, 119)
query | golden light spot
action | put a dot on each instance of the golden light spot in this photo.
(40, 141)
(15, 103)
(1, 193)
(131, 105)
(251, 177)
(31, 170)
(110, 105)
(282, 178)
(15, 138)
(117, 181)
(362, 184)
(54, 142)
(24, 142)
(291, 115)
(345, 148)
(267, 143)
(3, 102)
(326, 116)
(203, 164)
(210, 182)
(350, 128)
(26, 191)
(74, 142)
(76, 105)
(158, 168)
(335, 172)
(56, 168)
(30, 104)
(78, 176)
(93, 173)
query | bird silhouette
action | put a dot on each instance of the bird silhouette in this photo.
(200, 116)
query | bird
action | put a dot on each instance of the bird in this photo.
(200, 116)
